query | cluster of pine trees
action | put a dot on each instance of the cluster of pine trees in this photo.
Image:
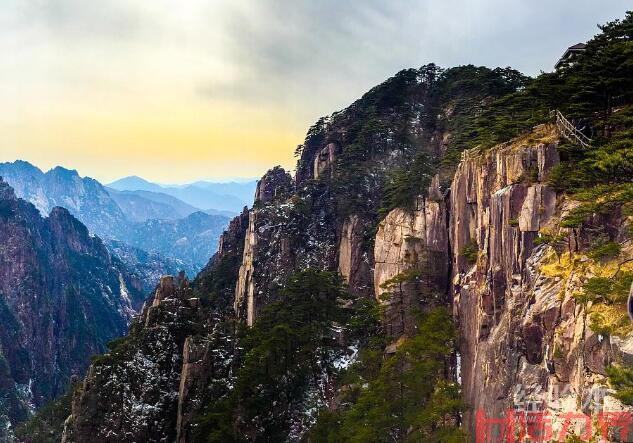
(290, 369)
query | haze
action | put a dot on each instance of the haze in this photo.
(177, 91)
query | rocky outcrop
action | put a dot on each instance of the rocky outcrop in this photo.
(62, 298)
(232, 238)
(525, 342)
(325, 159)
(354, 262)
(289, 232)
(153, 385)
(275, 184)
(412, 260)
(207, 373)
(245, 287)
(131, 393)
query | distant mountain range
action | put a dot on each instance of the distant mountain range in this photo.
(208, 196)
(63, 296)
(141, 206)
(170, 234)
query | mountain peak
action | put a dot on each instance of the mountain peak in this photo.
(21, 165)
(134, 183)
(63, 172)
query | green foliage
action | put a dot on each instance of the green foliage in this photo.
(289, 346)
(609, 295)
(47, 424)
(602, 199)
(470, 251)
(589, 91)
(553, 240)
(118, 351)
(394, 124)
(460, 95)
(513, 222)
(216, 284)
(602, 248)
(621, 380)
(406, 398)
(6, 209)
(612, 290)
(405, 184)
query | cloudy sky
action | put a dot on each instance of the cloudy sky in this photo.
(178, 90)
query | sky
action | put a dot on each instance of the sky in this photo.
(180, 90)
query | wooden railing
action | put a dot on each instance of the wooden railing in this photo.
(569, 131)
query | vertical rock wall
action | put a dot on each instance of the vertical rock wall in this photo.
(131, 394)
(525, 342)
(412, 260)
(245, 288)
(354, 264)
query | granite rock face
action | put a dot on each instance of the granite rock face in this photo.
(275, 184)
(325, 159)
(414, 244)
(289, 231)
(62, 298)
(274, 187)
(131, 393)
(354, 263)
(153, 385)
(525, 343)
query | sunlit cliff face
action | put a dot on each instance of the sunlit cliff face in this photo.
(175, 91)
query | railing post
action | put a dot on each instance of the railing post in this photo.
(569, 131)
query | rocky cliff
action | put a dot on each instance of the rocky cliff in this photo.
(153, 385)
(436, 191)
(132, 393)
(528, 341)
(412, 260)
(176, 235)
(62, 298)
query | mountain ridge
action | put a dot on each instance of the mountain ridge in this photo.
(64, 297)
(223, 196)
(123, 215)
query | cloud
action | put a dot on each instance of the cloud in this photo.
(129, 69)
(77, 19)
(322, 55)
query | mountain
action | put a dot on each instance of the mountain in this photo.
(140, 206)
(134, 183)
(62, 298)
(190, 241)
(216, 212)
(146, 267)
(162, 224)
(85, 198)
(449, 252)
(242, 190)
(210, 196)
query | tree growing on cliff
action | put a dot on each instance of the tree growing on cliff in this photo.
(621, 379)
(292, 346)
(410, 398)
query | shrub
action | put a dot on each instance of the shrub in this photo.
(621, 380)
(470, 252)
